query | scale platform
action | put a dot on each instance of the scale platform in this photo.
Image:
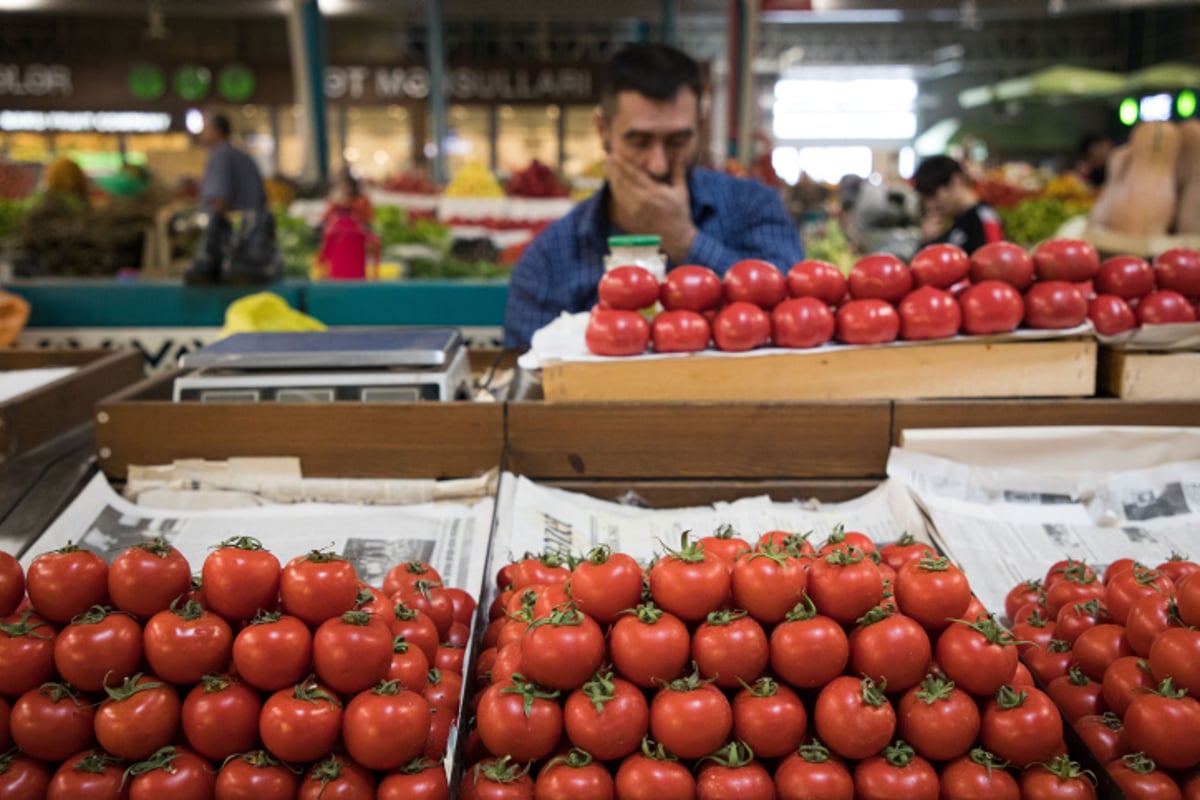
(377, 366)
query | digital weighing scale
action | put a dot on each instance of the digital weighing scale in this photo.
(376, 366)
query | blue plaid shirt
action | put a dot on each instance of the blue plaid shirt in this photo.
(735, 218)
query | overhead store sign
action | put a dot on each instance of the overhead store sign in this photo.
(548, 84)
(35, 80)
(85, 121)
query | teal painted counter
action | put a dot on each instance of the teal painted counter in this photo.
(137, 304)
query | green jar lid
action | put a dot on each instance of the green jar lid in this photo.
(634, 241)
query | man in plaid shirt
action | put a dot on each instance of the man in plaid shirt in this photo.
(649, 123)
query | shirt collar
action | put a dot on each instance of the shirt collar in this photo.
(593, 218)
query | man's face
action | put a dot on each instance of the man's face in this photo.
(209, 135)
(655, 135)
(938, 202)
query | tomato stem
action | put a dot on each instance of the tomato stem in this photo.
(931, 563)
(57, 692)
(419, 765)
(574, 758)
(264, 617)
(529, 692)
(310, 691)
(1140, 763)
(988, 761)
(805, 610)
(732, 756)
(1063, 768)
(215, 683)
(240, 542)
(499, 770)
(327, 771)
(899, 754)
(162, 758)
(22, 627)
(876, 614)
(599, 555)
(873, 693)
(763, 687)
(935, 687)
(130, 687)
(158, 546)
(601, 689)
(95, 762)
(1009, 698)
(814, 753)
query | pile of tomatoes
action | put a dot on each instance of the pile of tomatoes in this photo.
(1120, 654)
(772, 670)
(260, 681)
(942, 292)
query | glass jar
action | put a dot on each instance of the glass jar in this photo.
(636, 251)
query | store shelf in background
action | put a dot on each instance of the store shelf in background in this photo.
(346, 440)
(695, 440)
(1150, 376)
(1052, 368)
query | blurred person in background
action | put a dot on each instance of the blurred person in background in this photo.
(954, 213)
(1094, 149)
(55, 232)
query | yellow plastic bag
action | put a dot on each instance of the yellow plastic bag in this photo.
(266, 312)
(14, 313)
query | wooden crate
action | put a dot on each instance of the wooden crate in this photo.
(1150, 376)
(1050, 368)
(49, 411)
(420, 440)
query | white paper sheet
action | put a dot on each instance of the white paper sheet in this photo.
(16, 382)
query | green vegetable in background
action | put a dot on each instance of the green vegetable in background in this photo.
(1037, 219)
(298, 244)
(393, 227)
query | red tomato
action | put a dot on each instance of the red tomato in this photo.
(801, 322)
(606, 583)
(1074, 619)
(730, 648)
(767, 584)
(741, 326)
(757, 282)
(1187, 597)
(1165, 725)
(733, 772)
(617, 333)
(689, 583)
(575, 776)
(1049, 661)
(690, 718)
(22, 778)
(186, 643)
(92, 774)
(1077, 695)
(405, 576)
(301, 723)
(1103, 735)
(1066, 260)
(896, 773)
(1002, 261)
(808, 650)
(980, 657)
(929, 313)
(139, 716)
(148, 577)
(1123, 680)
(444, 691)
(880, 277)
(548, 569)
(818, 279)
(1027, 592)
(769, 718)
(1054, 305)
(240, 578)
(1139, 776)
(845, 585)
(564, 651)
(1175, 654)
(940, 721)
(1033, 630)
(1127, 277)
(417, 629)
(409, 665)
(628, 288)
(1179, 270)
(273, 651)
(1148, 617)
(12, 584)
(174, 772)
(318, 586)
(691, 288)
(1128, 585)
(653, 774)
(649, 646)
(1021, 726)
(979, 776)
(386, 727)
(940, 266)
(97, 644)
(1178, 567)
(1111, 315)
(519, 719)
(896, 554)
(725, 544)
(52, 722)
(1079, 585)
(991, 307)
(680, 331)
(464, 605)
(337, 778)
(5, 734)
(891, 649)
(66, 582)
(419, 780)
(1098, 647)
(867, 322)
(607, 717)
(932, 591)
(353, 652)
(853, 718)
(496, 779)
(256, 775)
(1117, 567)
(1164, 307)
(220, 717)
(813, 772)
(1058, 779)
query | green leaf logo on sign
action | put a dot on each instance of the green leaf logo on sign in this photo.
(235, 83)
(192, 82)
(147, 82)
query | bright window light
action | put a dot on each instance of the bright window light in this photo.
(831, 164)
(906, 164)
(786, 162)
(1155, 108)
(857, 109)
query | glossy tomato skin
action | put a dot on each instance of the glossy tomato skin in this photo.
(564, 652)
(1002, 261)
(690, 721)
(876, 779)
(187, 643)
(616, 333)
(1111, 315)
(939, 720)
(147, 578)
(428, 783)
(1025, 733)
(1104, 736)
(606, 583)
(798, 778)
(1175, 654)
(1077, 695)
(845, 585)
(809, 653)
(880, 277)
(932, 591)
(1135, 780)
(755, 281)
(1053, 305)
(818, 279)
(23, 778)
(255, 776)
(729, 648)
(477, 785)
(750, 781)
(1126, 277)
(770, 718)
(966, 779)
(991, 307)
(351, 782)
(508, 729)
(741, 326)
(576, 777)
(929, 313)
(66, 582)
(940, 266)
(220, 717)
(240, 578)
(1066, 260)
(386, 728)
(1038, 783)
(852, 718)
(302, 723)
(646, 649)
(52, 722)
(318, 586)
(691, 288)
(186, 776)
(801, 322)
(134, 724)
(643, 778)
(690, 585)
(616, 730)
(894, 650)
(767, 585)
(12, 584)
(96, 645)
(1164, 307)
(979, 662)
(680, 331)
(628, 288)
(1165, 728)
(1127, 586)
(1178, 269)
(867, 322)
(88, 774)
(409, 665)
(353, 652)
(273, 652)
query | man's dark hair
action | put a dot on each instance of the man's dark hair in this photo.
(1088, 139)
(652, 70)
(222, 124)
(934, 173)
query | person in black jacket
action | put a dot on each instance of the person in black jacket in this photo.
(953, 212)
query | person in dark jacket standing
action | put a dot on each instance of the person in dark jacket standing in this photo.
(954, 213)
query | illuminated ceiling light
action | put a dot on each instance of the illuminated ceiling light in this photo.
(1128, 111)
(1185, 104)
(350, 154)
(193, 120)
